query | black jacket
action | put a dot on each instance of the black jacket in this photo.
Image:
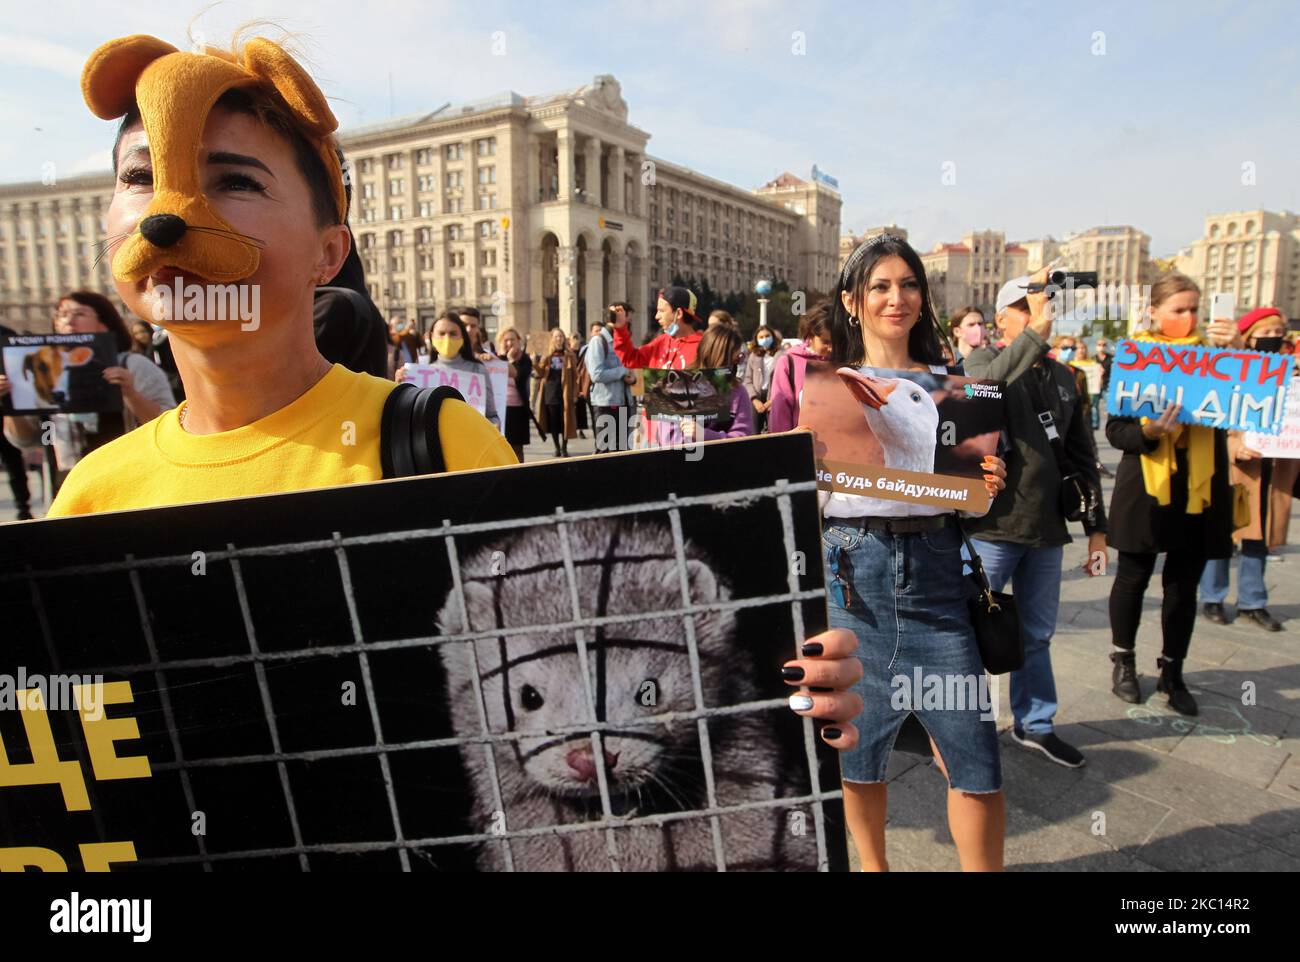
(1140, 525)
(1029, 511)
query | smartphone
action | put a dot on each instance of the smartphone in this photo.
(1223, 307)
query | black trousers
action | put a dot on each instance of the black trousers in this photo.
(1181, 577)
(554, 416)
(612, 425)
(13, 462)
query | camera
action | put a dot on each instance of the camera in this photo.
(1065, 280)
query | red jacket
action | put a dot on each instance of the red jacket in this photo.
(664, 352)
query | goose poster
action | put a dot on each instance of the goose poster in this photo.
(59, 372)
(901, 436)
(587, 677)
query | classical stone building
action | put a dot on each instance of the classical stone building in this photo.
(51, 238)
(972, 271)
(537, 210)
(1254, 254)
(849, 241)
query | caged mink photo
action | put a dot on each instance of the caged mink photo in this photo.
(638, 670)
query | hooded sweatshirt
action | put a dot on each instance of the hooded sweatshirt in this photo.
(787, 387)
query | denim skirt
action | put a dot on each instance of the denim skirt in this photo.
(904, 597)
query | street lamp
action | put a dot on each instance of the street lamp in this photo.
(763, 288)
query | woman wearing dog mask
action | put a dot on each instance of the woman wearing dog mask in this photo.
(1263, 330)
(145, 391)
(1172, 496)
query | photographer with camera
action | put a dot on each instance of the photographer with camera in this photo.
(1051, 479)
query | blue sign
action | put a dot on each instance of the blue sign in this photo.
(1216, 387)
(825, 178)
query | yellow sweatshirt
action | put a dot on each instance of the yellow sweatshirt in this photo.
(329, 436)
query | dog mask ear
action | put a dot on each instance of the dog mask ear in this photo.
(269, 62)
(109, 77)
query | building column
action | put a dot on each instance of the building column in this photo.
(567, 269)
(564, 156)
(639, 186)
(616, 200)
(617, 278)
(533, 163)
(595, 306)
(591, 153)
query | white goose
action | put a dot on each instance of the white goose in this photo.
(905, 420)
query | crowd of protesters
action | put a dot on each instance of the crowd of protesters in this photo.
(1181, 493)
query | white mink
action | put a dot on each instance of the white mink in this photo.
(550, 779)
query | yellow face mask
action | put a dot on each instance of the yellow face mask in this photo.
(448, 345)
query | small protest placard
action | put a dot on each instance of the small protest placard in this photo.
(884, 437)
(498, 371)
(59, 373)
(1216, 387)
(1286, 443)
(702, 395)
(472, 387)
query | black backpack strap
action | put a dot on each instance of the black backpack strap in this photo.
(408, 433)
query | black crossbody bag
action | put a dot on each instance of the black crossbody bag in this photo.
(993, 616)
(1079, 501)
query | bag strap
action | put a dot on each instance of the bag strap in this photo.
(976, 566)
(408, 432)
(789, 368)
(1047, 418)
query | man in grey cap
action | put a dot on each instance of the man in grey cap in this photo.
(1022, 537)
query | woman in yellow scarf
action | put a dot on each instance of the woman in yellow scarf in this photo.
(1171, 497)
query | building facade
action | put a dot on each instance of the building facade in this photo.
(1252, 254)
(849, 241)
(539, 211)
(1121, 256)
(970, 273)
(51, 242)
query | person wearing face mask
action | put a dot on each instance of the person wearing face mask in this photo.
(510, 347)
(720, 347)
(787, 378)
(679, 339)
(1263, 329)
(450, 342)
(1172, 496)
(757, 378)
(968, 331)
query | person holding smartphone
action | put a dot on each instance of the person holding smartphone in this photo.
(1172, 496)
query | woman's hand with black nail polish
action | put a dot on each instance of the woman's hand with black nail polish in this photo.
(829, 669)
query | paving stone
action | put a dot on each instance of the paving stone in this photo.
(1243, 742)
(1181, 843)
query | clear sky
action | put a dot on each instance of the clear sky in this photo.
(1047, 118)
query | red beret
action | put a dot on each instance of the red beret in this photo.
(1248, 321)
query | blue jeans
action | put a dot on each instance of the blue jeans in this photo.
(1251, 592)
(1096, 411)
(1035, 576)
(903, 597)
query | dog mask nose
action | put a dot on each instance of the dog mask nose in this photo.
(163, 230)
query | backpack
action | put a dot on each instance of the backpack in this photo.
(408, 431)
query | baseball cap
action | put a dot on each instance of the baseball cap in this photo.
(681, 298)
(1010, 292)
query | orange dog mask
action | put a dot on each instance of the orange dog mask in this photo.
(174, 91)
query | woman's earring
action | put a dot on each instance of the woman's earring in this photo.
(853, 321)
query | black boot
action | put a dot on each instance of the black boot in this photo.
(1124, 678)
(1171, 685)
